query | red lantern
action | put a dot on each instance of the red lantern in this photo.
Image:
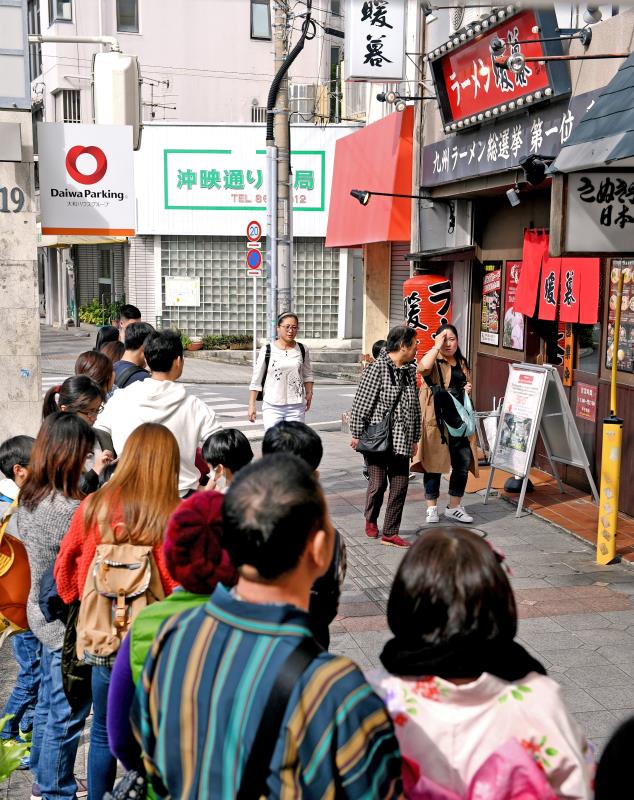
(427, 306)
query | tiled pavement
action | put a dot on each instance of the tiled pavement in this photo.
(576, 617)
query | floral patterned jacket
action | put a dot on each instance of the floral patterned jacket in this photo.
(448, 731)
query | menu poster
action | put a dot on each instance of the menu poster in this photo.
(491, 299)
(514, 324)
(518, 420)
(625, 350)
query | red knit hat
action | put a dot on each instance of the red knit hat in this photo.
(194, 554)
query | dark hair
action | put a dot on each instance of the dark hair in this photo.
(290, 436)
(105, 334)
(114, 350)
(283, 316)
(611, 779)
(136, 333)
(75, 393)
(271, 509)
(15, 452)
(377, 347)
(161, 349)
(57, 459)
(229, 447)
(107, 472)
(97, 366)
(450, 586)
(399, 335)
(128, 311)
(460, 359)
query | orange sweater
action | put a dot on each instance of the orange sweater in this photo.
(76, 553)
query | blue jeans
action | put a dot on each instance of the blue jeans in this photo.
(21, 703)
(56, 732)
(102, 765)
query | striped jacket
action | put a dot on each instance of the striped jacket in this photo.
(377, 391)
(203, 690)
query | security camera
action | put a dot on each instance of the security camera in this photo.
(513, 196)
(592, 15)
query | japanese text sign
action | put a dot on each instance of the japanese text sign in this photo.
(600, 213)
(473, 85)
(501, 145)
(586, 402)
(375, 40)
(86, 179)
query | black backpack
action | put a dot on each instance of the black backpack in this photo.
(267, 358)
(126, 375)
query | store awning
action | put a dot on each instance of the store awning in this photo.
(377, 158)
(47, 240)
(556, 288)
(444, 254)
(606, 132)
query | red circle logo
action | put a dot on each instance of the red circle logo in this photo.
(71, 164)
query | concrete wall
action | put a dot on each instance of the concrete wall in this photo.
(376, 293)
(19, 301)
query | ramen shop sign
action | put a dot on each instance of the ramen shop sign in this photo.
(473, 86)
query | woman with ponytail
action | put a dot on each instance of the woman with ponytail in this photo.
(80, 395)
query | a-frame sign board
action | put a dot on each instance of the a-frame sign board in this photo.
(535, 402)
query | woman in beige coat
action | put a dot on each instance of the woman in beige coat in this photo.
(457, 453)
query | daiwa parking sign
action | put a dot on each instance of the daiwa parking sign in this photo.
(86, 179)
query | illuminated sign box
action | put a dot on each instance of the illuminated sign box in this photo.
(473, 86)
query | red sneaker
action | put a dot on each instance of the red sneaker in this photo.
(371, 530)
(394, 541)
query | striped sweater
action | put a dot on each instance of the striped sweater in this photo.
(203, 690)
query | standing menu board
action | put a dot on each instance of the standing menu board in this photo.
(535, 403)
(491, 301)
(625, 354)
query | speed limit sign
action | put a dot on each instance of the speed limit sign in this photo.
(254, 231)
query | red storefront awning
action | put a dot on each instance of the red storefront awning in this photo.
(377, 158)
(551, 288)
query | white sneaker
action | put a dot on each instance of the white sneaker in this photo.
(432, 514)
(459, 514)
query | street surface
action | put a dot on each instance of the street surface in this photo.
(577, 618)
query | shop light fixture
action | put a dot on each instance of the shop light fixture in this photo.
(400, 101)
(364, 195)
(514, 196)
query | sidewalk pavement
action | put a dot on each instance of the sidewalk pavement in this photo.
(577, 618)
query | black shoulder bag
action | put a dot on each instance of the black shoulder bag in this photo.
(444, 407)
(267, 358)
(377, 438)
(256, 770)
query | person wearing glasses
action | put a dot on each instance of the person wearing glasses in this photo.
(282, 377)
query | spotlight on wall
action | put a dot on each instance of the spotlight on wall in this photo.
(513, 195)
(362, 196)
(497, 46)
(516, 63)
(592, 15)
(535, 167)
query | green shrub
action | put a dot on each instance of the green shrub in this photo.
(221, 342)
(11, 752)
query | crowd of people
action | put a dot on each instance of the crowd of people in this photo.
(182, 590)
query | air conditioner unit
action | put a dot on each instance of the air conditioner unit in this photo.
(462, 15)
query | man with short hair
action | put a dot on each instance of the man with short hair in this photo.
(127, 315)
(160, 399)
(131, 366)
(207, 680)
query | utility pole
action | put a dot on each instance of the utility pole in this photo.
(282, 139)
(278, 207)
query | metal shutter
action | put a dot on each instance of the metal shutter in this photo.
(400, 272)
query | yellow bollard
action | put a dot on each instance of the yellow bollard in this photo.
(609, 495)
(611, 456)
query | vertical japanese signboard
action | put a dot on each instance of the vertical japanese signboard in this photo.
(375, 40)
(514, 323)
(625, 352)
(490, 318)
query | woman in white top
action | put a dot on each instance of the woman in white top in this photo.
(287, 383)
(475, 715)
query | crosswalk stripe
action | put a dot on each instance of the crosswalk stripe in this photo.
(236, 414)
(228, 406)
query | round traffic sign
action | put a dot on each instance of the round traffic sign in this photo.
(254, 259)
(254, 231)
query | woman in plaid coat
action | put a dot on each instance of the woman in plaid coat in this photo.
(379, 386)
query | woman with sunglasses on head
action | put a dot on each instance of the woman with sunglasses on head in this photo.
(284, 376)
(82, 396)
